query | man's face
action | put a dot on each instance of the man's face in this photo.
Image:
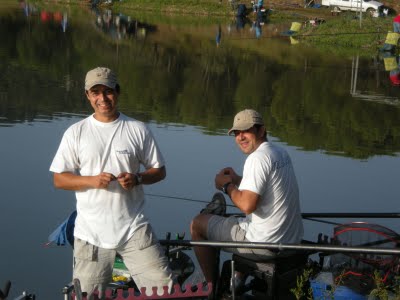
(104, 102)
(249, 140)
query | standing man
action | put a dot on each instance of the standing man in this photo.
(99, 158)
(267, 194)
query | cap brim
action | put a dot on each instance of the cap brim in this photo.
(105, 83)
(239, 128)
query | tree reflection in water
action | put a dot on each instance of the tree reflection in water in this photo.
(175, 74)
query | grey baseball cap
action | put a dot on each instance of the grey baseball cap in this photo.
(245, 120)
(100, 75)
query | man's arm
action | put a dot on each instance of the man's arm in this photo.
(150, 176)
(73, 182)
(153, 175)
(245, 200)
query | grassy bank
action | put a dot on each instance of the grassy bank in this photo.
(192, 7)
(336, 34)
(347, 33)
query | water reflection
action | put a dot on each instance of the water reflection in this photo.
(177, 75)
(120, 26)
(57, 17)
(187, 90)
(259, 14)
(218, 36)
(391, 65)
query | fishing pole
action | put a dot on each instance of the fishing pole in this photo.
(382, 215)
(183, 198)
(271, 246)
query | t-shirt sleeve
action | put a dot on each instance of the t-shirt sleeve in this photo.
(255, 175)
(152, 156)
(66, 159)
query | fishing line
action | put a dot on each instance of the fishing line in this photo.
(183, 198)
(316, 217)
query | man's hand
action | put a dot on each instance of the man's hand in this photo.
(102, 180)
(127, 180)
(235, 178)
(221, 178)
(227, 175)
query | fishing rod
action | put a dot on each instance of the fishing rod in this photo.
(183, 198)
(335, 215)
(271, 246)
(382, 215)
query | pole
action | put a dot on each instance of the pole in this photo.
(382, 215)
(280, 247)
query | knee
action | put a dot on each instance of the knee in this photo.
(198, 229)
(193, 227)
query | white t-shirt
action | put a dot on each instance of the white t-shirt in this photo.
(268, 171)
(108, 217)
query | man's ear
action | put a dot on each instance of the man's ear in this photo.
(118, 89)
(261, 131)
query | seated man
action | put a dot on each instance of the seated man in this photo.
(267, 194)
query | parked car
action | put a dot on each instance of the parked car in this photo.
(370, 6)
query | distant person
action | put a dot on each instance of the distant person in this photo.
(257, 5)
(396, 24)
(257, 28)
(241, 11)
(267, 194)
(241, 16)
(99, 158)
(218, 36)
(394, 75)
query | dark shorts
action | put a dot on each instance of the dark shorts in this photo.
(228, 230)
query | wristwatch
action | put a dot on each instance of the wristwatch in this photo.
(225, 187)
(139, 178)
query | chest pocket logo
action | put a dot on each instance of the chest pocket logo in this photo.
(122, 152)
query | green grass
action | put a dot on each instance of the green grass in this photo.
(341, 35)
(347, 34)
(192, 7)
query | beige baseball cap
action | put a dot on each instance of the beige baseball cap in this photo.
(245, 120)
(100, 75)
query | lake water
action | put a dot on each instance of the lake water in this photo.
(338, 117)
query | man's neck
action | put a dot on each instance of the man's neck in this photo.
(105, 118)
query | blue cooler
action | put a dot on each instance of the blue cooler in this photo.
(322, 290)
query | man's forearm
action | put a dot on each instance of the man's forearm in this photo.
(153, 175)
(246, 201)
(72, 182)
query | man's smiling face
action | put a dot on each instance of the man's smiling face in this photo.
(249, 140)
(104, 102)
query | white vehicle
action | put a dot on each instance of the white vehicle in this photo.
(369, 6)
